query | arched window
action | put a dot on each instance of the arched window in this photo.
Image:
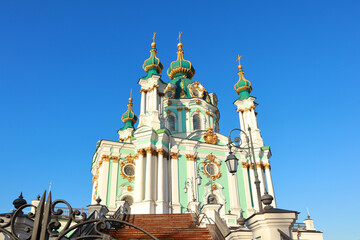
(170, 123)
(196, 122)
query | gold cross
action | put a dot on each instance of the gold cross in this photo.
(179, 38)
(238, 59)
(153, 38)
(130, 92)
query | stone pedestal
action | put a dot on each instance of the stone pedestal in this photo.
(144, 207)
(210, 210)
(270, 224)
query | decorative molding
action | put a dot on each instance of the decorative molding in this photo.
(129, 188)
(129, 160)
(124, 139)
(210, 159)
(179, 109)
(168, 111)
(174, 155)
(142, 152)
(245, 164)
(197, 110)
(168, 102)
(266, 166)
(187, 109)
(198, 101)
(210, 136)
(191, 157)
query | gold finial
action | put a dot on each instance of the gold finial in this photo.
(130, 99)
(179, 38)
(153, 44)
(238, 60)
(179, 44)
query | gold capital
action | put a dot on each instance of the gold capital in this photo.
(174, 155)
(191, 157)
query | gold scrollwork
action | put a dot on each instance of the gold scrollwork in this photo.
(174, 155)
(191, 157)
(210, 136)
(210, 159)
(129, 161)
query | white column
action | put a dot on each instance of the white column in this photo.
(148, 103)
(253, 188)
(234, 194)
(242, 127)
(156, 106)
(114, 174)
(211, 121)
(104, 171)
(175, 183)
(247, 186)
(142, 105)
(161, 177)
(166, 180)
(254, 125)
(269, 183)
(149, 175)
(154, 179)
(139, 177)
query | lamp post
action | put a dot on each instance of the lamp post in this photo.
(232, 161)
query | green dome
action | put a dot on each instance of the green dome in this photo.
(153, 64)
(243, 86)
(129, 118)
(181, 66)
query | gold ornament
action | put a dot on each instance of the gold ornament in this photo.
(210, 136)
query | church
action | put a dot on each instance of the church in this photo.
(175, 161)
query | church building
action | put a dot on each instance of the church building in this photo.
(174, 160)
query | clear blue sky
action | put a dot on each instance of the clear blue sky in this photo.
(66, 69)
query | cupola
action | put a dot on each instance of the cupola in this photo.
(243, 86)
(181, 66)
(152, 65)
(129, 118)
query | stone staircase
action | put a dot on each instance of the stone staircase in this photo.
(164, 226)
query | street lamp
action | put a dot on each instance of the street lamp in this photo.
(232, 161)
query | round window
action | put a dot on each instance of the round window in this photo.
(129, 170)
(211, 169)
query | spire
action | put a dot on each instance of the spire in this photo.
(129, 118)
(243, 86)
(152, 65)
(181, 66)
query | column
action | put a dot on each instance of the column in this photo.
(234, 194)
(249, 205)
(242, 126)
(269, 182)
(156, 107)
(175, 182)
(114, 175)
(253, 188)
(212, 120)
(161, 175)
(254, 121)
(104, 171)
(139, 176)
(148, 103)
(149, 175)
(142, 105)
(155, 173)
